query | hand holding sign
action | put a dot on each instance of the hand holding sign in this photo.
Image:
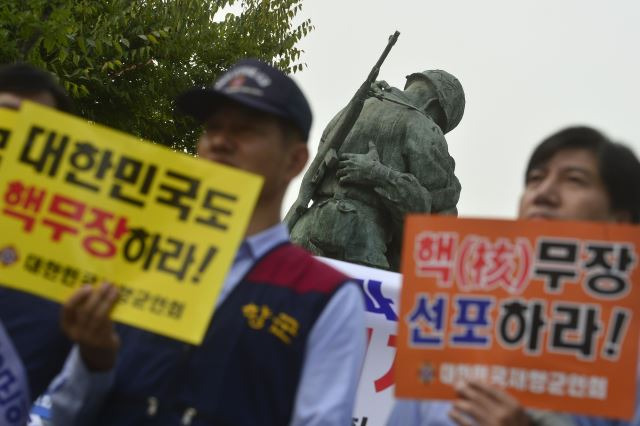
(86, 320)
(483, 405)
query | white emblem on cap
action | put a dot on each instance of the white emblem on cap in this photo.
(253, 73)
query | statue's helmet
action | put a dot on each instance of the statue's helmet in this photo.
(450, 94)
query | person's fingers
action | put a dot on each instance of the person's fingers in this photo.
(460, 417)
(466, 391)
(70, 307)
(492, 392)
(110, 298)
(349, 171)
(347, 162)
(102, 313)
(352, 177)
(89, 311)
(356, 158)
(497, 406)
(344, 166)
(78, 297)
(471, 408)
(373, 152)
(348, 156)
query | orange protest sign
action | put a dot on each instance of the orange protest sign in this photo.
(544, 310)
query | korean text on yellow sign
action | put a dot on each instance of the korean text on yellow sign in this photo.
(7, 121)
(546, 311)
(84, 203)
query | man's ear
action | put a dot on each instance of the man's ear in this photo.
(298, 157)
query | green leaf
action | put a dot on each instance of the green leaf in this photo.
(82, 45)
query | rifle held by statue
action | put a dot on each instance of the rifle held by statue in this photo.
(327, 150)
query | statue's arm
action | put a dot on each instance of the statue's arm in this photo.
(428, 185)
(400, 192)
(427, 158)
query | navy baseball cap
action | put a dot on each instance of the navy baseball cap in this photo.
(257, 85)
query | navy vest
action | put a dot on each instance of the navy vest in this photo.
(247, 370)
(33, 324)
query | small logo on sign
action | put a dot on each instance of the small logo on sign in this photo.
(426, 373)
(8, 256)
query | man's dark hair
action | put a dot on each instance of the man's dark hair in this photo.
(618, 166)
(24, 79)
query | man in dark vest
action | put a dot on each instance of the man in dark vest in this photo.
(286, 343)
(574, 174)
(30, 321)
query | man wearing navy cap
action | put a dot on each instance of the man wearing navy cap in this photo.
(286, 343)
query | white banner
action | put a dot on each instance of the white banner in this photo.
(375, 391)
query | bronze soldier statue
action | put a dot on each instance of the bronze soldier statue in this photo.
(393, 161)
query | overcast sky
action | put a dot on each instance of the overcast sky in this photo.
(528, 68)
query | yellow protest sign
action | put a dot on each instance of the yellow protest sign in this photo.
(84, 203)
